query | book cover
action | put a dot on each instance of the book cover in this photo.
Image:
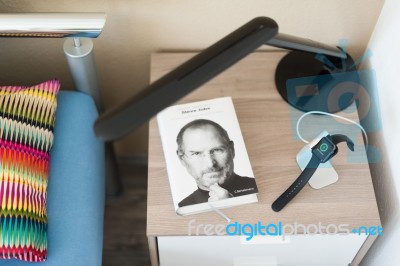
(206, 158)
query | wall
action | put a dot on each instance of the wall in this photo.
(136, 28)
(384, 44)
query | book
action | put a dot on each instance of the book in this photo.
(207, 162)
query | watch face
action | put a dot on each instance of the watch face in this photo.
(324, 149)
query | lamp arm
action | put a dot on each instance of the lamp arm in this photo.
(119, 121)
(295, 43)
(122, 119)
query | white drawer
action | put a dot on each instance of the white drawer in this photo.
(307, 250)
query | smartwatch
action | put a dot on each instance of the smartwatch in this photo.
(322, 152)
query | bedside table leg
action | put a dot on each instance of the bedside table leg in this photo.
(153, 248)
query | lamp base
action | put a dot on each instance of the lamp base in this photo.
(315, 82)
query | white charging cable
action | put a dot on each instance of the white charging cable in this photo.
(337, 116)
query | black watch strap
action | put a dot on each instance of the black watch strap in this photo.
(337, 138)
(321, 152)
(297, 185)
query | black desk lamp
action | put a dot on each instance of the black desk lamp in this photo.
(210, 62)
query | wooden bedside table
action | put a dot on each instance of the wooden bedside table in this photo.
(267, 124)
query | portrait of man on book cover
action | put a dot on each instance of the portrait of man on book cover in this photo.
(206, 151)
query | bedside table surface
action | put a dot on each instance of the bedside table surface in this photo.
(267, 124)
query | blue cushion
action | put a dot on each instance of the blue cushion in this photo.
(76, 191)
